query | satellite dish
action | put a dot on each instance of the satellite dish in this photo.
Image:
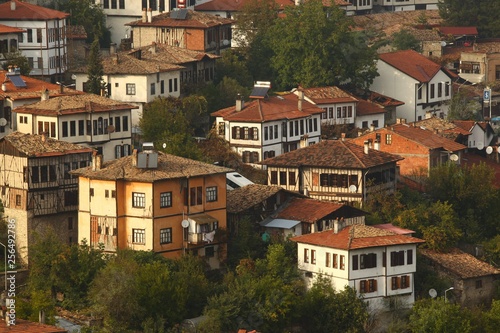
(185, 224)
(3, 121)
(73, 77)
(480, 145)
(111, 129)
(164, 145)
(443, 44)
(433, 293)
(353, 188)
(225, 42)
(498, 149)
(489, 150)
(454, 157)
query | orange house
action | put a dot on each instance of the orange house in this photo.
(153, 201)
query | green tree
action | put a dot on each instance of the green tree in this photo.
(314, 45)
(247, 244)
(491, 318)
(438, 316)
(95, 71)
(463, 108)
(404, 40)
(16, 59)
(165, 121)
(472, 13)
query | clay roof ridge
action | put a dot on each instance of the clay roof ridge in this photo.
(354, 154)
(351, 237)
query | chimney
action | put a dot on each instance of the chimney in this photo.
(150, 15)
(376, 145)
(342, 136)
(240, 103)
(112, 48)
(372, 127)
(4, 86)
(153, 47)
(12, 5)
(44, 137)
(96, 161)
(41, 317)
(144, 16)
(428, 115)
(134, 157)
(115, 59)
(45, 95)
(301, 99)
(366, 147)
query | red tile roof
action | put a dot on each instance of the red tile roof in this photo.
(33, 89)
(312, 210)
(24, 326)
(269, 109)
(34, 145)
(324, 95)
(458, 31)
(383, 100)
(197, 20)
(5, 29)
(356, 237)
(243, 198)
(64, 105)
(464, 124)
(460, 263)
(28, 12)
(365, 108)
(425, 137)
(412, 64)
(333, 154)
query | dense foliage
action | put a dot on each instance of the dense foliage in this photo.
(95, 71)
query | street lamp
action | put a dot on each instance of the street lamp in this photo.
(445, 297)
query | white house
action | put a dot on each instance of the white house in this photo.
(269, 126)
(378, 263)
(9, 41)
(481, 133)
(44, 40)
(423, 85)
(403, 5)
(89, 120)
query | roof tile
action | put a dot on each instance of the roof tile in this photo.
(412, 63)
(193, 19)
(28, 12)
(34, 145)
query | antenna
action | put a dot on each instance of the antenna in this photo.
(489, 150)
(433, 293)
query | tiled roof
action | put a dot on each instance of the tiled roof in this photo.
(333, 154)
(460, 263)
(74, 104)
(269, 109)
(237, 5)
(412, 64)
(442, 126)
(169, 167)
(458, 31)
(464, 124)
(28, 12)
(76, 32)
(490, 46)
(33, 89)
(384, 100)
(34, 145)
(425, 137)
(356, 237)
(246, 197)
(366, 108)
(196, 20)
(5, 29)
(394, 229)
(312, 210)
(324, 95)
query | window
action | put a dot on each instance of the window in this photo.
(211, 193)
(355, 262)
(367, 286)
(335, 263)
(196, 196)
(397, 258)
(166, 236)
(291, 178)
(440, 89)
(368, 260)
(70, 223)
(122, 4)
(81, 127)
(138, 236)
(282, 177)
(152, 89)
(18, 200)
(400, 282)
(342, 262)
(405, 281)
(130, 88)
(222, 128)
(266, 133)
(419, 91)
(274, 177)
(113, 194)
(125, 123)
(70, 198)
(255, 133)
(106, 193)
(138, 200)
(313, 257)
(30, 35)
(479, 284)
(432, 90)
(72, 128)
(388, 139)
(327, 259)
(91, 192)
(306, 255)
(64, 129)
(375, 123)
(165, 199)
(38, 35)
(409, 257)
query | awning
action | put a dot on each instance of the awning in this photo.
(202, 218)
(281, 223)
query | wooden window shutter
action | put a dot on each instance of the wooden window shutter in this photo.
(233, 132)
(355, 262)
(374, 285)
(398, 284)
(394, 283)
(384, 260)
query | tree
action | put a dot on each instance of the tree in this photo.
(438, 316)
(95, 71)
(404, 40)
(472, 13)
(463, 108)
(165, 121)
(314, 45)
(16, 59)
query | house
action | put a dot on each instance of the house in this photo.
(423, 85)
(339, 106)
(22, 326)
(399, 5)
(335, 170)
(481, 133)
(473, 280)
(44, 41)
(268, 126)
(77, 47)
(86, 119)
(152, 201)
(482, 63)
(300, 216)
(390, 105)
(445, 128)
(183, 28)
(9, 41)
(378, 263)
(255, 202)
(36, 188)
(370, 115)
(419, 148)
(18, 90)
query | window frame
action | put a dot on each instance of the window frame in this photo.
(166, 199)
(138, 200)
(165, 235)
(138, 236)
